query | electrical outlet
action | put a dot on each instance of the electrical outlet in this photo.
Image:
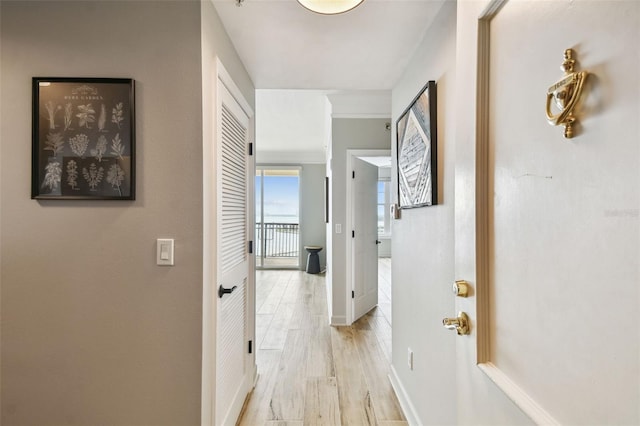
(410, 358)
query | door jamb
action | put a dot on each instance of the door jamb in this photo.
(352, 154)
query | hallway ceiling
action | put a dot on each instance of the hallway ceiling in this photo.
(285, 46)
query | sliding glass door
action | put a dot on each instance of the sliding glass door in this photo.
(277, 217)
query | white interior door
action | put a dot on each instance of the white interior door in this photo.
(552, 246)
(365, 237)
(233, 372)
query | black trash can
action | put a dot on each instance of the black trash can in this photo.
(313, 260)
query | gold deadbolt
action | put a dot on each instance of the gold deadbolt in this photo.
(461, 288)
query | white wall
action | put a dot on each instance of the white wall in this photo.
(93, 332)
(347, 133)
(423, 242)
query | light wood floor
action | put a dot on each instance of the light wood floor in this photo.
(314, 374)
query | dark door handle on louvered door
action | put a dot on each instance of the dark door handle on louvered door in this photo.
(222, 291)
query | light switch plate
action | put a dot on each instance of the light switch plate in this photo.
(164, 251)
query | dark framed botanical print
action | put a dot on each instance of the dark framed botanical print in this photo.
(83, 139)
(417, 143)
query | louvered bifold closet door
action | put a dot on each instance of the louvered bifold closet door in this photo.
(232, 258)
(234, 191)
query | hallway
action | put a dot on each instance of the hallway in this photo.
(314, 374)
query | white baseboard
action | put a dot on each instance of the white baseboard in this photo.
(339, 320)
(405, 403)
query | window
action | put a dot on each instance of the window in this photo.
(384, 213)
(277, 217)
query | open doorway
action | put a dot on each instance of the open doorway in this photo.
(384, 237)
(277, 217)
(369, 266)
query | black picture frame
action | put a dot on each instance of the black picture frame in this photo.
(83, 139)
(417, 151)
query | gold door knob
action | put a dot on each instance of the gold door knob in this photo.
(460, 324)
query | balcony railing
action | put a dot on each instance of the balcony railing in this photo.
(277, 240)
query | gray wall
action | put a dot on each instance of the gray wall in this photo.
(216, 42)
(347, 133)
(423, 240)
(312, 225)
(93, 332)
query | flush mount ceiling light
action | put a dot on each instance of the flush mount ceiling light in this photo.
(330, 7)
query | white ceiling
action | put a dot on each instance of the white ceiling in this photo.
(378, 161)
(291, 126)
(285, 46)
(296, 58)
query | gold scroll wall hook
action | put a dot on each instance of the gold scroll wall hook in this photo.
(565, 94)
